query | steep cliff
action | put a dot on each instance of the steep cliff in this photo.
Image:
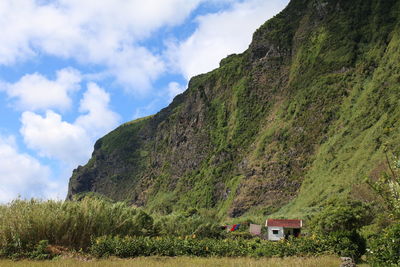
(302, 115)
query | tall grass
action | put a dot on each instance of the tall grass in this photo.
(71, 224)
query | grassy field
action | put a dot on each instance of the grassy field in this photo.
(326, 261)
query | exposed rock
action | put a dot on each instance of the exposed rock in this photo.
(347, 262)
(299, 116)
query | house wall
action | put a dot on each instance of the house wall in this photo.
(275, 237)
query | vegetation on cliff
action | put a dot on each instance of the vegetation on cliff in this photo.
(300, 117)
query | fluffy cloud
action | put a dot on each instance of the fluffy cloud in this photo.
(70, 142)
(105, 32)
(54, 138)
(21, 174)
(99, 118)
(221, 34)
(110, 34)
(36, 92)
(174, 89)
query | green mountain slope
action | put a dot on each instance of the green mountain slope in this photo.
(299, 117)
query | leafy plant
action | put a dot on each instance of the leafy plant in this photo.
(339, 222)
(384, 249)
(388, 186)
(341, 215)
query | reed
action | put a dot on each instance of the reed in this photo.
(71, 224)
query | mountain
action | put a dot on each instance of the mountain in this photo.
(303, 115)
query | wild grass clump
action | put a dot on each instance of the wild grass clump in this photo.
(23, 224)
(26, 225)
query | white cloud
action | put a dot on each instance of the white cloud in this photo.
(54, 138)
(174, 89)
(70, 142)
(99, 118)
(21, 174)
(109, 33)
(221, 34)
(36, 92)
(105, 32)
(136, 66)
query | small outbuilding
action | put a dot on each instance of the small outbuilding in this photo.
(281, 229)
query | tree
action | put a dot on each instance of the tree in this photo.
(388, 186)
(339, 222)
(341, 215)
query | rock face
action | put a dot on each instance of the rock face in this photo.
(300, 116)
(347, 262)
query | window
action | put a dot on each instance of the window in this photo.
(275, 232)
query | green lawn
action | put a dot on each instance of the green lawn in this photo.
(326, 261)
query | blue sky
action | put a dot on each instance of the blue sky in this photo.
(72, 70)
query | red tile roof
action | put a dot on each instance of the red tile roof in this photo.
(284, 223)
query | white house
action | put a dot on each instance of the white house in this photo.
(280, 229)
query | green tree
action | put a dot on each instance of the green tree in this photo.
(388, 186)
(339, 223)
(341, 215)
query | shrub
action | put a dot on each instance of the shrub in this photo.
(385, 248)
(341, 215)
(347, 244)
(209, 230)
(192, 246)
(41, 251)
(339, 222)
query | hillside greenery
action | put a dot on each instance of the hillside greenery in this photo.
(299, 119)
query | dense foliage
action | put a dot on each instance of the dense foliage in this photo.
(387, 186)
(104, 228)
(341, 215)
(193, 246)
(384, 248)
(341, 220)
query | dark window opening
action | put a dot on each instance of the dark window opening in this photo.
(296, 232)
(275, 232)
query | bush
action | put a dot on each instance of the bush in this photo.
(339, 222)
(166, 246)
(384, 249)
(341, 215)
(209, 230)
(347, 244)
(41, 251)
(192, 246)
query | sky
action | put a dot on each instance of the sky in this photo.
(73, 70)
